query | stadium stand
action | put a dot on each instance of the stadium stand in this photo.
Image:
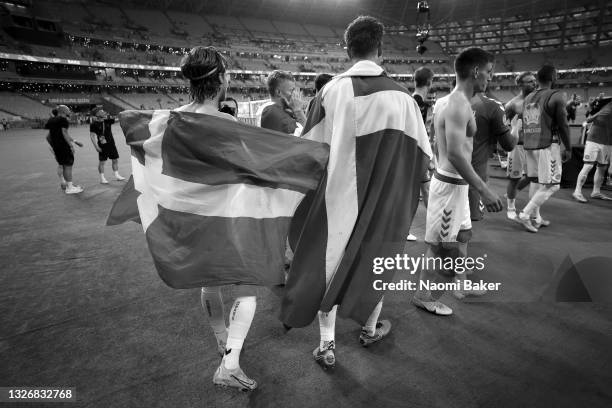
(23, 106)
(102, 34)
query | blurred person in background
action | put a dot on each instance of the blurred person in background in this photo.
(104, 142)
(63, 147)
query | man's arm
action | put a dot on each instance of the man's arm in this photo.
(68, 139)
(455, 123)
(501, 130)
(558, 101)
(94, 141)
(510, 111)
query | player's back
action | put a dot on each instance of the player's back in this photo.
(448, 111)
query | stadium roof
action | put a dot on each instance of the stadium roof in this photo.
(339, 12)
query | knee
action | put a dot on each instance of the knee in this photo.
(554, 188)
(587, 167)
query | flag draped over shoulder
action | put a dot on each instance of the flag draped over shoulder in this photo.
(215, 197)
(379, 151)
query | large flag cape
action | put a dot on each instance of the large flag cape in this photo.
(215, 197)
(379, 151)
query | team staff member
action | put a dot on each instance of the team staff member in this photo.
(63, 146)
(103, 141)
(284, 112)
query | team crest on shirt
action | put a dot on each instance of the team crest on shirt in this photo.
(531, 114)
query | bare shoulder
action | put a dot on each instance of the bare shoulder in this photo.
(458, 107)
(557, 101)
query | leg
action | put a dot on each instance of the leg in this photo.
(60, 174)
(586, 169)
(425, 298)
(67, 171)
(115, 164)
(324, 354)
(212, 303)
(229, 372)
(598, 181)
(101, 163)
(374, 330)
(539, 198)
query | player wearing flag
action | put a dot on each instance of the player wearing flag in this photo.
(379, 153)
(206, 70)
(448, 224)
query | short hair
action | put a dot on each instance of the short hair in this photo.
(422, 77)
(54, 111)
(63, 109)
(363, 36)
(275, 78)
(95, 110)
(546, 73)
(202, 66)
(470, 58)
(321, 80)
(522, 75)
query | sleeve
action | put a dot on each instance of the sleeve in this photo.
(65, 123)
(499, 129)
(92, 128)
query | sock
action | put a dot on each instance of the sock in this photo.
(597, 180)
(327, 326)
(536, 202)
(240, 320)
(533, 188)
(102, 178)
(537, 215)
(370, 325)
(213, 307)
(69, 184)
(511, 204)
(582, 178)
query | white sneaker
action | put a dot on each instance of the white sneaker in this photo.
(511, 214)
(526, 222)
(103, 180)
(74, 190)
(411, 237)
(118, 177)
(579, 197)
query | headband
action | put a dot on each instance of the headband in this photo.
(209, 73)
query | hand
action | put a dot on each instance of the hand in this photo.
(98, 149)
(294, 102)
(566, 155)
(492, 201)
